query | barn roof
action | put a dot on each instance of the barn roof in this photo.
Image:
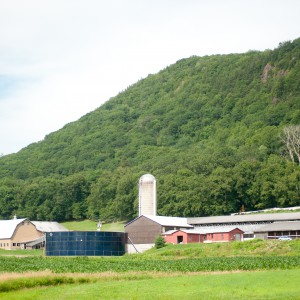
(44, 226)
(280, 226)
(205, 230)
(166, 221)
(247, 218)
(37, 241)
(7, 227)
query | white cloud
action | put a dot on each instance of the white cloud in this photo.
(63, 59)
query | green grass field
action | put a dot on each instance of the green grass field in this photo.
(87, 225)
(280, 284)
(255, 247)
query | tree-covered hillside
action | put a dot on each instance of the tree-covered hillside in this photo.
(210, 129)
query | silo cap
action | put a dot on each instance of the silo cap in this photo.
(147, 178)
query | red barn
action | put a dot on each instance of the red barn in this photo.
(203, 235)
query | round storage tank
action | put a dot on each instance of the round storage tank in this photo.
(147, 195)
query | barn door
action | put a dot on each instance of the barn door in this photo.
(179, 239)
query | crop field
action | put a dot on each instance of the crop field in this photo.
(120, 264)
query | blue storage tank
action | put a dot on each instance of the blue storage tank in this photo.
(85, 243)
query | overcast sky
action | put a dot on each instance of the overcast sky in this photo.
(60, 59)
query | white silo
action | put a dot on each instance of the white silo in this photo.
(147, 195)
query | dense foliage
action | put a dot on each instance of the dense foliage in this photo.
(208, 128)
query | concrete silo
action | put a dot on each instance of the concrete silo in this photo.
(147, 195)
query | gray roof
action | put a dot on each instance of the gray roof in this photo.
(245, 218)
(166, 221)
(169, 232)
(205, 230)
(44, 226)
(220, 229)
(7, 227)
(280, 226)
(37, 241)
(170, 221)
(247, 228)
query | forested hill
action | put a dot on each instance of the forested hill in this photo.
(210, 129)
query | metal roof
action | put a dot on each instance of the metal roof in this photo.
(169, 232)
(245, 218)
(170, 221)
(280, 226)
(37, 241)
(7, 227)
(204, 230)
(247, 228)
(166, 221)
(44, 226)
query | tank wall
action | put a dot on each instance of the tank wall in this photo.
(85, 243)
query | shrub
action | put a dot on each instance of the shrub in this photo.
(160, 242)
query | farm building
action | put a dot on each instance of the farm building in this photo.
(277, 229)
(204, 235)
(143, 230)
(249, 223)
(23, 233)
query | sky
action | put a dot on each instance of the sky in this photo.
(60, 59)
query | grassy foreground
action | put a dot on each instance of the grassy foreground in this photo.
(239, 270)
(281, 284)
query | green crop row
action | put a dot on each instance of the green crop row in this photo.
(92, 265)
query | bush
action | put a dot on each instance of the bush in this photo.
(160, 242)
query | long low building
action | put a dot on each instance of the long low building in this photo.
(278, 229)
(248, 223)
(244, 219)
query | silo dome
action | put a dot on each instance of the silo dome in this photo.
(147, 195)
(147, 178)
